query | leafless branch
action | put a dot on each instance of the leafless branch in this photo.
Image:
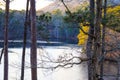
(66, 7)
(2, 51)
(62, 62)
(86, 32)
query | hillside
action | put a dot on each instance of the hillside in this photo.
(72, 4)
(112, 40)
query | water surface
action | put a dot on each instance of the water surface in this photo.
(77, 72)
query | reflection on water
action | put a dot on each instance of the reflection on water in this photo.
(77, 72)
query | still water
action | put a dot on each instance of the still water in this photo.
(77, 72)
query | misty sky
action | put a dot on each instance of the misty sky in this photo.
(20, 4)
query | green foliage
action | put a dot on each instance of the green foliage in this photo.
(80, 16)
(113, 18)
(43, 33)
(45, 17)
(42, 23)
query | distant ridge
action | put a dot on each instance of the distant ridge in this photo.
(58, 5)
(72, 4)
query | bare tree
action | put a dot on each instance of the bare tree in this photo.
(33, 41)
(26, 24)
(97, 40)
(89, 44)
(103, 42)
(6, 40)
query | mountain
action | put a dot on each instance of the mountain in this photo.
(72, 4)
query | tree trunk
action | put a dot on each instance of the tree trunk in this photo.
(118, 72)
(24, 41)
(33, 41)
(103, 41)
(6, 41)
(97, 40)
(93, 47)
(90, 40)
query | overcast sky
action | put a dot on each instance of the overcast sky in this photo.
(20, 4)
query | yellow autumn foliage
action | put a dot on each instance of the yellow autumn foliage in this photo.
(114, 10)
(113, 18)
(82, 37)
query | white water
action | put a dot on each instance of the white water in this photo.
(77, 72)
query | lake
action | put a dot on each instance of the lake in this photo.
(77, 72)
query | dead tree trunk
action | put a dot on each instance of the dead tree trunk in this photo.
(6, 40)
(24, 41)
(33, 41)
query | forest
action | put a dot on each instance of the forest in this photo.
(83, 38)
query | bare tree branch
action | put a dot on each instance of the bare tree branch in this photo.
(66, 7)
(2, 51)
(63, 62)
(87, 33)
